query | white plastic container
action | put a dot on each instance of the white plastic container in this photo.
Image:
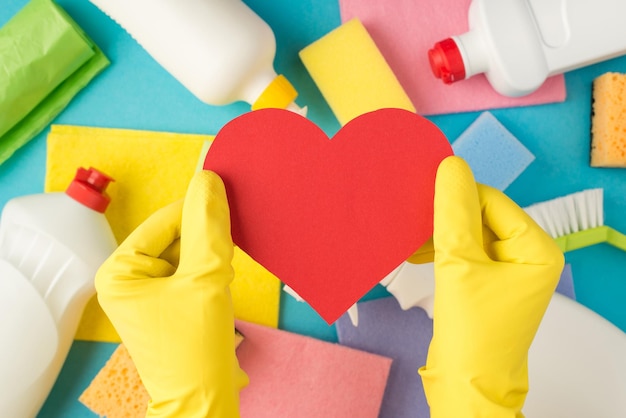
(220, 50)
(51, 245)
(520, 43)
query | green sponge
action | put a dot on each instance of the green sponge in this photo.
(46, 60)
(352, 74)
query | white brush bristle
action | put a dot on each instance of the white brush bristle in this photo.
(571, 213)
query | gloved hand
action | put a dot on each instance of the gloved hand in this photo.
(495, 273)
(176, 317)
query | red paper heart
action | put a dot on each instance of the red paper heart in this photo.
(330, 218)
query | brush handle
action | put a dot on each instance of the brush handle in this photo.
(588, 237)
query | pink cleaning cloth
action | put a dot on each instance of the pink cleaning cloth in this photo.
(404, 31)
(302, 377)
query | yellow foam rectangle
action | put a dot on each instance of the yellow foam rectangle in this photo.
(151, 170)
(352, 74)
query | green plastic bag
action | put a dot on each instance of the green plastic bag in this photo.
(45, 60)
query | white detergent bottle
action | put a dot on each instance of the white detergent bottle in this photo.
(517, 44)
(51, 245)
(220, 50)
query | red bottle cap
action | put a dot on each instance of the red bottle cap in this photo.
(446, 61)
(88, 188)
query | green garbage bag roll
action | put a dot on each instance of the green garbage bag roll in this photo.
(45, 60)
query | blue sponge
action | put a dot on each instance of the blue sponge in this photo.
(495, 156)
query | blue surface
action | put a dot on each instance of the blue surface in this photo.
(135, 92)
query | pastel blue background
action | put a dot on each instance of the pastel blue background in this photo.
(136, 93)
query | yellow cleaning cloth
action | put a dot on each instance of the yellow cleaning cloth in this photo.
(151, 170)
(352, 74)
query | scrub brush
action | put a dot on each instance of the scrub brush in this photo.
(576, 220)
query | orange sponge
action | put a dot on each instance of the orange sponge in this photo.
(117, 390)
(608, 123)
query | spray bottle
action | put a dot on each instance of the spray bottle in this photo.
(51, 245)
(517, 44)
(220, 50)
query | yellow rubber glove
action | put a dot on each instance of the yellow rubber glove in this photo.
(177, 321)
(495, 273)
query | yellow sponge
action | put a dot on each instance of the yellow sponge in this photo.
(352, 74)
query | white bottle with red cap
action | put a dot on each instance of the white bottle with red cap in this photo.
(518, 44)
(220, 50)
(51, 245)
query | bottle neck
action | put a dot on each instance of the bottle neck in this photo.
(473, 52)
(459, 57)
(269, 90)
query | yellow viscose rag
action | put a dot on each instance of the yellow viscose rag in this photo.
(151, 170)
